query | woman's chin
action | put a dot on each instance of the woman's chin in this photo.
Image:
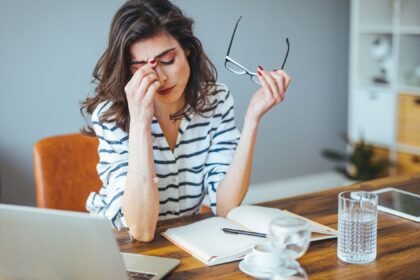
(169, 99)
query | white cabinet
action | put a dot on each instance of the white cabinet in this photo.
(373, 116)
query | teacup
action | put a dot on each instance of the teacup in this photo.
(264, 257)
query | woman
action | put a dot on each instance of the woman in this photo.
(166, 129)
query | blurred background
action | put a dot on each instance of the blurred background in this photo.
(355, 67)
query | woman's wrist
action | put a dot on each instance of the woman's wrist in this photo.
(251, 120)
(136, 127)
(146, 178)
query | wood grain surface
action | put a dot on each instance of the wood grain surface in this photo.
(398, 251)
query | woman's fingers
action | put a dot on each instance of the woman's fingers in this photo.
(279, 81)
(271, 82)
(275, 83)
(137, 77)
(151, 90)
(140, 91)
(146, 82)
(286, 78)
(274, 86)
(265, 84)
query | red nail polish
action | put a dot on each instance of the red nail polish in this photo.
(259, 72)
(153, 61)
(260, 68)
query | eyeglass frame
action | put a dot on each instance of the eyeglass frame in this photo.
(252, 75)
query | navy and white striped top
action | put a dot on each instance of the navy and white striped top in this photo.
(204, 150)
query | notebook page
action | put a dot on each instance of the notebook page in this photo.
(258, 218)
(255, 218)
(316, 227)
(206, 240)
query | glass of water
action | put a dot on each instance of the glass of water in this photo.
(291, 235)
(357, 226)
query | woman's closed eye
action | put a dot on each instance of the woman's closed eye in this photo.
(168, 58)
(167, 62)
(135, 66)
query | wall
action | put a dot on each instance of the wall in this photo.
(49, 48)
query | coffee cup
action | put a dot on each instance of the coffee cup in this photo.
(264, 257)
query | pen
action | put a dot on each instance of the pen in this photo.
(237, 231)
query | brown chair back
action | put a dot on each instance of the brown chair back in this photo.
(65, 171)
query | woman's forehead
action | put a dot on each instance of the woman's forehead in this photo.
(146, 49)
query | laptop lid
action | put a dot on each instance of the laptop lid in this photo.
(40, 243)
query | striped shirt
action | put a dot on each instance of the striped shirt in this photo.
(204, 150)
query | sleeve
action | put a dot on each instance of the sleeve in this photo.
(112, 169)
(224, 139)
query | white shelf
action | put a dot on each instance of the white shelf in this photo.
(374, 86)
(408, 149)
(409, 30)
(389, 29)
(373, 107)
(409, 89)
(380, 29)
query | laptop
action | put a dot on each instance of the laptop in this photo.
(44, 244)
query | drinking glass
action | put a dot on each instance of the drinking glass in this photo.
(357, 226)
(290, 235)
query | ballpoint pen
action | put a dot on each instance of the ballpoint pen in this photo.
(244, 232)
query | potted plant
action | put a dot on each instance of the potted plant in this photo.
(361, 163)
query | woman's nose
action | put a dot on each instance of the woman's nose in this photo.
(160, 73)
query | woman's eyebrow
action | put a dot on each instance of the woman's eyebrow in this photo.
(158, 56)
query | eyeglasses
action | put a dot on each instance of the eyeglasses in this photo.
(237, 68)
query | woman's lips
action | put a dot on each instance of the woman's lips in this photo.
(166, 91)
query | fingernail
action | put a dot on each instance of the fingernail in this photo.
(260, 68)
(153, 61)
(259, 72)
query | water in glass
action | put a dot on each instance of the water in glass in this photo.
(357, 227)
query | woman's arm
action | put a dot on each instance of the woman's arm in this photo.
(140, 202)
(234, 186)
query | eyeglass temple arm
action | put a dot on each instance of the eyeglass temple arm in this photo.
(233, 35)
(287, 53)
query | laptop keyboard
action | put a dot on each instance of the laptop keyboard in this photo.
(132, 275)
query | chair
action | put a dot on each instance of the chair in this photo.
(65, 171)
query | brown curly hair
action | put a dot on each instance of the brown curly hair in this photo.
(138, 20)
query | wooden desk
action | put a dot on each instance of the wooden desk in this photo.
(398, 241)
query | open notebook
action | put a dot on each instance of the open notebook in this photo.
(206, 241)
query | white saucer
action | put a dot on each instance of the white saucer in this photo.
(252, 271)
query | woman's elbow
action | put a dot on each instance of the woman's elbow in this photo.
(223, 210)
(142, 235)
(221, 213)
(142, 231)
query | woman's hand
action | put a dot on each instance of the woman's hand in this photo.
(273, 90)
(140, 91)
